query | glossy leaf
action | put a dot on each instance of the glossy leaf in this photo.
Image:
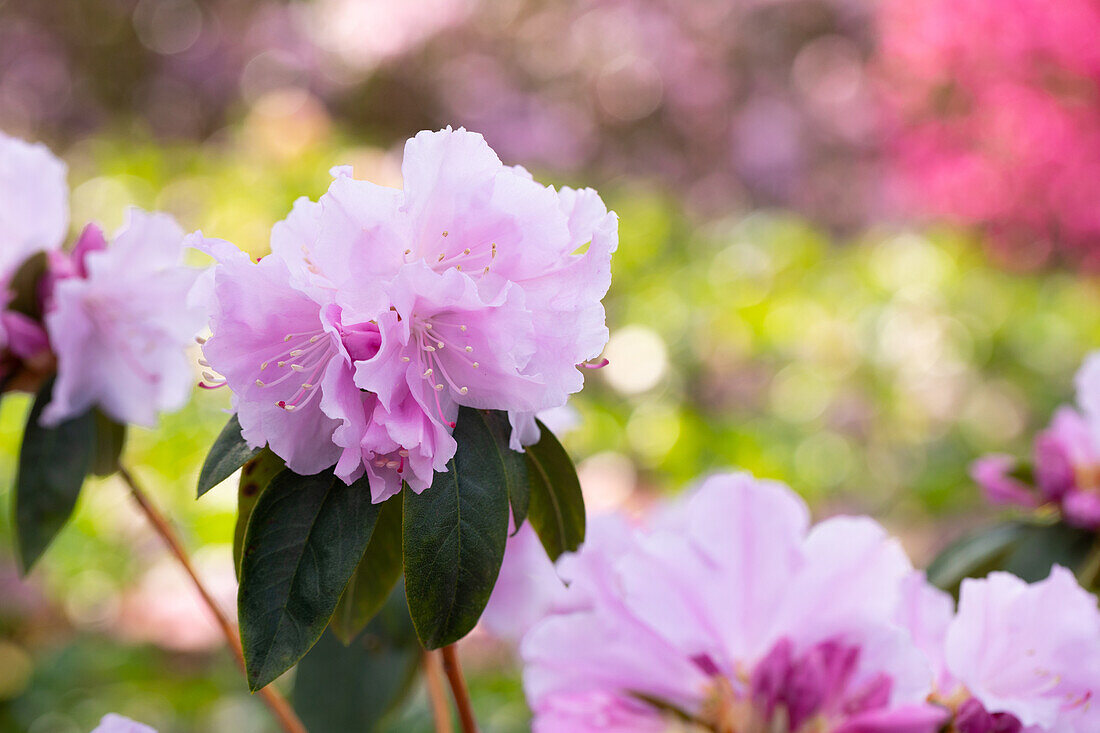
(1043, 546)
(976, 555)
(557, 505)
(255, 477)
(454, 535)
(305, 537)
(53, 462)
(110, 438)
(375, 576)
(228, 453)
(513, 462)
(340, 688)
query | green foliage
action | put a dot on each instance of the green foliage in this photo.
(110, 438)
(305, 537)
(351, 686)
(454, 536)
(52, 465)
(513, 462)
(1026, 549)
(229, 452)
(375, 576)
(557, 505)
(256, 474)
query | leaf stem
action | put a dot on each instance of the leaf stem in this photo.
(278, 704)
(437, 694)
(458, 689)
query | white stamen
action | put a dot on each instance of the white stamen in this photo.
(204, 362)
(437, 387)
(314, 339)
(263, 366)
(469, 349)
(280, 363)
(404, 358)
(429, 348)
(210, 377)
(392, 464)
(403, 453)
(439, 344)
(476, 365)
(297, 352)
(427, 373)
(297, 367)
(289, 408)
(259, 383)
(289, 336)
(307, 386)
(463, 390)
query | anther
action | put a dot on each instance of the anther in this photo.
(437, 387)
(469, 349)
(408, 251)
(439, 344)
(403, 453)
(264, 366)
(463, 390)
(259, 383)
(209, 377)
(442, 256)
(404, 358)
(297, 367)
(461, 328)
(297, 352)
(427, 373)
(445, 232)
(428, 326)
(289, 336)
(429, 348)
(204, 362)
(392, 464)
(466, 251)
(280, 364)
(290, 408)
(307, 386)
(314, 339)
(476, 365)
(200, 340)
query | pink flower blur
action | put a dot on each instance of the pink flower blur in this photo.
(120, 323)
(381, 311)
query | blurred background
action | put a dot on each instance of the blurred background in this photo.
(857, 246)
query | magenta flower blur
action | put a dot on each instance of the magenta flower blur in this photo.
(734, 614)
(381, 311)
(1026, 657)
(993, 119)
(1065, 473)
(119, 319)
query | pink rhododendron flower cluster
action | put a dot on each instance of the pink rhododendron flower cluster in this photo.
(116, 319)
(381, 311)
(1066, 460)
(735, 614)
(994, 118)
(730, 613)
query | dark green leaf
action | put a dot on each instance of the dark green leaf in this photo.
(255, 477)
(304, 539)
(976, 555)
(340, 688)
(557, 505)
(24, 286)
(514, 463)
(1044, 545)
(52, 465)
(228, 453)
(454, 535)
(375, 577)
(110, 437)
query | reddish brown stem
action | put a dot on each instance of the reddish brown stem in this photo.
(437, 693)
(282, 710)
(458, 689)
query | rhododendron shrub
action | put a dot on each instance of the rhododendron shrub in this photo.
(99, 332)
(392, 352)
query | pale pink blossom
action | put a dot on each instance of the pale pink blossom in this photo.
(34, 202)
(738, 615)
(115, 723)
(119, 326)
(473, 285)
(1027, 655)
